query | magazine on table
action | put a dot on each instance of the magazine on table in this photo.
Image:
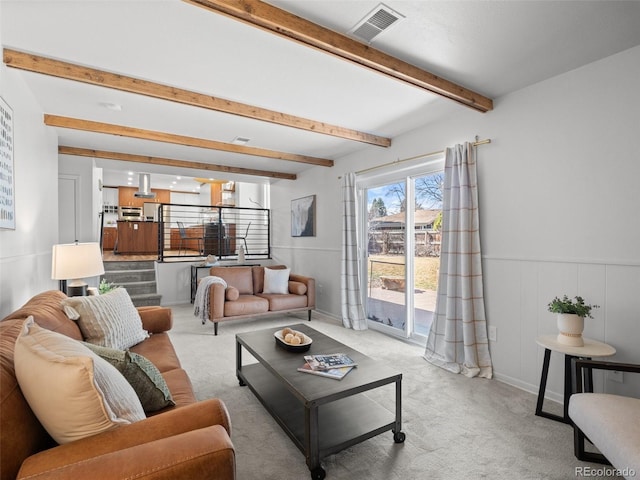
(329, 361)
(335, 373)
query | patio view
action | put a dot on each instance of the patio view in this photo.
(402, 300)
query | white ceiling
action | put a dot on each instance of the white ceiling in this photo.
(491, 47)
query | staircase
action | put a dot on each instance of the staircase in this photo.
(138, 278)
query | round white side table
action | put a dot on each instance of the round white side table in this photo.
(591, 349)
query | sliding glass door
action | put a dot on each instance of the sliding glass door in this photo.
(402, 255)
(386, 262)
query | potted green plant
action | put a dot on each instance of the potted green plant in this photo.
(105, 286)
(570, 317)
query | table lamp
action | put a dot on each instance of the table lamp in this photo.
(75, 261)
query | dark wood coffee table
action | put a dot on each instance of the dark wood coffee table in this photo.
(321, 415)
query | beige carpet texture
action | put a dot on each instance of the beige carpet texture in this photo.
(456, 427)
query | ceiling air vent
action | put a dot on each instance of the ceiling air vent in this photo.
(377, 21)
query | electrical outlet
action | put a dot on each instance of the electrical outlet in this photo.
(493, 333)
(615, 376)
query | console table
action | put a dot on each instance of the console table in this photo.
(591, 349)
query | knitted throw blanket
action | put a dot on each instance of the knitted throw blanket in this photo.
(201, 300)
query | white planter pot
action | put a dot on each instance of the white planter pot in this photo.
(570, 327)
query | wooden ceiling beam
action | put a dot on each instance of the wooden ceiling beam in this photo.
(278, 21)
(92, 76)
(169, 162)
(131, 132)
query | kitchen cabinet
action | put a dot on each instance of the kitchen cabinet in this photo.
(110, 200)
(216, 194)
(109, 236)
(137, 237)
(127, 198)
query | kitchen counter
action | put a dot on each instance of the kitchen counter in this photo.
(137, 237)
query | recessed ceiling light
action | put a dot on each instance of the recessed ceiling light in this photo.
(178, 178)
(129, 183)
(129, 173)
(240, 140)
(111, 106)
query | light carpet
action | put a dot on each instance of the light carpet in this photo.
(456, 427)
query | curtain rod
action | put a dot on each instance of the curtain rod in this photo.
(431, 154)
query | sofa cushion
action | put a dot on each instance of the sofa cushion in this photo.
(46, 310)
(73, 392)
(276, 280)
(279, 302)
(612, 423)
(246, 305)
(181, 388)
(142, 375)
(110, 320)
(160, 351)
(297, 288)
(238, 277)
(231, 294)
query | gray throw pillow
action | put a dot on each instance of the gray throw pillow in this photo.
(144, 376)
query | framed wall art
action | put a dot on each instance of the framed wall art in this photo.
(7, 189)
(303, 217)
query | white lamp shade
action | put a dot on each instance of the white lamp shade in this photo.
(76, 260)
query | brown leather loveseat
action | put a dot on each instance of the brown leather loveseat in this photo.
(189, 440)
(245, 295)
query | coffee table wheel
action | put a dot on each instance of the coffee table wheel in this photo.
(318, 473)
(399, 437)
(241, 382)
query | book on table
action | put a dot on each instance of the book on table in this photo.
(335, 373)
(329, 361)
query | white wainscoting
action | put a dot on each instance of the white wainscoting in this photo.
(517, 292)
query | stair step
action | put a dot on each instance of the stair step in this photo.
(135, 265)
(138, 278)
(146, 300)
(124, 276)
(138, 288)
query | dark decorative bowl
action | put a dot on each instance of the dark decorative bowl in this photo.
(302, 347)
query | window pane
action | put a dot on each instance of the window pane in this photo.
(386, 299)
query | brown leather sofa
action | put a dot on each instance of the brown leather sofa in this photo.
(244, 298)
(190, 440)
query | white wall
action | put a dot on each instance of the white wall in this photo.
(89, 204)
(25, 253)
(560, 211)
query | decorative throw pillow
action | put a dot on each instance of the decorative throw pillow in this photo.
(232, 294)
(276, 281)
(142, 375)
(110, 320)
(73, 392)
(297, 288)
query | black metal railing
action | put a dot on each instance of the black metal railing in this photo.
(195, 231)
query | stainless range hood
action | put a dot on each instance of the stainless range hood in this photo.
(144, 188)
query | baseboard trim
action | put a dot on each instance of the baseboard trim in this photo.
(528, 387)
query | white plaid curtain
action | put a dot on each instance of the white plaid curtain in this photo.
(458, 337)
(352, 310)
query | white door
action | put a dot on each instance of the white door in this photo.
(68, 208)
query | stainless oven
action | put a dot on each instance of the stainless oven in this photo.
(130, 214)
